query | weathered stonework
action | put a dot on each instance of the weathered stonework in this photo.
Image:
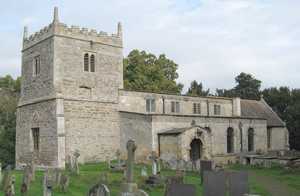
(75, 109)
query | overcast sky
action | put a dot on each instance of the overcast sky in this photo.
(211, 40)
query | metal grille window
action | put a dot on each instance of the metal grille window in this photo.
(150, 105)
(217, 109)
(197, 108)
(36, 138)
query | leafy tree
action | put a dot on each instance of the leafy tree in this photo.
(197, 89)
(247, 88)
(146, 72)
(8, 82)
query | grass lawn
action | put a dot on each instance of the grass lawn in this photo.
(89, 175)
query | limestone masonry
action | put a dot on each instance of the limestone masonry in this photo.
(72, 99)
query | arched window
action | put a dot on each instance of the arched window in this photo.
(230, 140)
(250, 139)
(92, 61)
(86, 62)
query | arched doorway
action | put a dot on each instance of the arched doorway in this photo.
(196, 149)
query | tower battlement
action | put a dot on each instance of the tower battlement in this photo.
(57, 28)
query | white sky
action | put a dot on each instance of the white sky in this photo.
(211, 40)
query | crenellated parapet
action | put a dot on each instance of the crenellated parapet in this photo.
(57, 28)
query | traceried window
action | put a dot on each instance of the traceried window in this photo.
(36, 138)
(230, 140)
(217, 109)
(36, 65)
(86, 62)
(175, 107)
(251, 140)
(92, 62)
(150, 105)
(197, 108)
(269, 137)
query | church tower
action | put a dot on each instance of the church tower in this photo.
(69, 95)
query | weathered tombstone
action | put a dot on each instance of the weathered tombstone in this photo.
(238, 183)
(154, 158)
(144, 172)
(6, 178)
(64, 183)
(99, 190)
(57, 176)
(154, 179)
(214, 183)
(47, 184)
(205, 165)
(181, 190)
(27, 177)
(141, 193)
(76, 164)
(10, 189)
(103, 178)
(118, 155)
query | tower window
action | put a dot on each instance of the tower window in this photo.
(37, 64)
(86, 62)
(197, 108)
(150, 105)
(230, 140)
(92, 62)
(36, 138)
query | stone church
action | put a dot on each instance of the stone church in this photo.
(72, 99)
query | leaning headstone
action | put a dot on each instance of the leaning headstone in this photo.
(64, 183)
(154, 159)
(181, 190)
(10, 189)
(99, 190)
(205, 165)
(214, 183)
(27, 177)
(238, 183)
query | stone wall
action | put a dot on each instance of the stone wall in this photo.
(43, 116)
(92, 128)
(138, 128)
(131, 101)
(279, 138)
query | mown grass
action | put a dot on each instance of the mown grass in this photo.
(90, 175)
(290, 177)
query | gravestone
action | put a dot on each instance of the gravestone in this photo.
(47, 184)
(144, 172)
(10, 189)
(129, 188)
(103, 178)
(154, 179)
(99, 190)
(76, 163)
(181, 190)
(214, 183)
(57, 176)
(6, 178)
(238, 183)
(205, 165)
(27, 177)
(64, 183)
(119, 166)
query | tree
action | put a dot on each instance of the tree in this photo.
(145, 72)
(7, 82)
(247, 88)
(197, 89)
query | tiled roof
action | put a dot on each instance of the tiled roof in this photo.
(260, 109)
